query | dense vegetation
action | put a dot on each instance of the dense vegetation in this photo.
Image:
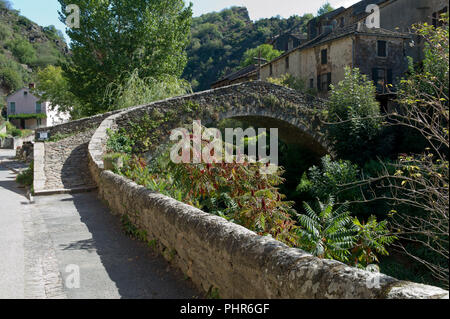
(369, 202)
(220, 39)
(24, 48)
(126, 38)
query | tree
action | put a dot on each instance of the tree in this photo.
(325, 9)
(5, 4)
(52, 86)
(266, 50)
(116, 37)
(354, 116)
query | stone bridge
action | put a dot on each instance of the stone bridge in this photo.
(217, 255)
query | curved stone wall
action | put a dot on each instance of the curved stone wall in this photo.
(217, 254)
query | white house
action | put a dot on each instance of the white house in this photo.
(25, 111)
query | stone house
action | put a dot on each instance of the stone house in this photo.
(26, 111)
(341, 38)
(378, 53)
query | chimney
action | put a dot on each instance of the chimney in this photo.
(31, 86)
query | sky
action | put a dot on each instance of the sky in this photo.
(45, 12)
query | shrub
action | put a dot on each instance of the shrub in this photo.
(354, 114)
(26, 178)
(10, 78)
(23, 51)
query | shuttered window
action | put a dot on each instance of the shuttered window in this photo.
(12, 107)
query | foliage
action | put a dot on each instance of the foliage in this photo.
(220, 39)
(144, 35)
(371, 239)
(52, 86)
(265, 50)
(326, 8)
(326, 180)
(10, 78)
(138, 91)
(23, 51)
(26, 116)
(26, 177)
(327, 232)
(119, 142)
(354, 114)
(290, 81)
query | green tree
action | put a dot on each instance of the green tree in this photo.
(53, 86)
(10, 78)
(354, 116)
(118, 36)
(325, 9)
(266, 50)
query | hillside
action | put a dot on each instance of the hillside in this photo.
(24, 48)
(219, 40)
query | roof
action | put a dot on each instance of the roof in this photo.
(238, 74)
(356, 28)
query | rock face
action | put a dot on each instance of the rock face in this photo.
(218, 255)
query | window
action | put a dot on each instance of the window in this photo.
(25, 93)
(324, 56)
(381, 78)
(38, 107)
(382, 48)
(39, 122)
(311, 83)
(271, 69)
(342, 22)
(287, 62)
(324, 82)
(12, 107)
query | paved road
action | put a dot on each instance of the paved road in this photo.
(45, 245)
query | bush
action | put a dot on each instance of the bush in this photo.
(354, 114)
(10, 78)
(5, 32)
(26, 178)
(23, 51)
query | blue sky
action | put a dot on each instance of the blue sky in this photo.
(45, 12)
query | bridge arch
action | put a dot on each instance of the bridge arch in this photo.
(262, 104)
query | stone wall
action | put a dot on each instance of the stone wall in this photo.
(217, 254)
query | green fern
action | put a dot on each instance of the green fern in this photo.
(326, 232)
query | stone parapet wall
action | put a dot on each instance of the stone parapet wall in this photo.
(217, 254)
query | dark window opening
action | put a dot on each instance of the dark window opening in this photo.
(324, 56)
(382, 48)
(324, 82)
(287, 62)
(311, 83)
(382, 78)
(271, 69)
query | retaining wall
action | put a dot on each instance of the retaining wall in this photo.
(217, 254)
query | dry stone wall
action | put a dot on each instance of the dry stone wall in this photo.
(217, 254)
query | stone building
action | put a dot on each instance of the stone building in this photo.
(26, 111)
(378, 53)
(343, 38)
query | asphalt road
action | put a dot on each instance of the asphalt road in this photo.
(70, 246)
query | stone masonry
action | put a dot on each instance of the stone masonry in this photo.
(216, 254)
